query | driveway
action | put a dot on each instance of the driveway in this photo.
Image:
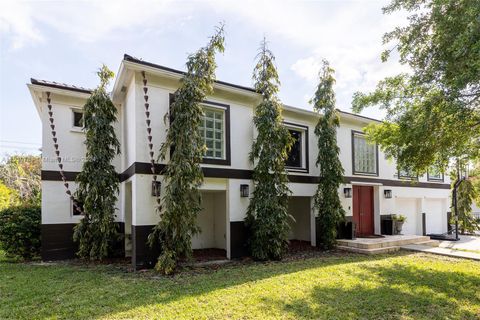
(470, 243)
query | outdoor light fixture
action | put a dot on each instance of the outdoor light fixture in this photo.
(244, 190)
(347, 192)
(156, 187)
(387, 193)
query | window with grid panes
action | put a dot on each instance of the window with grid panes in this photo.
(364, 155)
(212, 130)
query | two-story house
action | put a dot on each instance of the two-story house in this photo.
(373, 186)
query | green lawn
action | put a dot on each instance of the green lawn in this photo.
(407, 286)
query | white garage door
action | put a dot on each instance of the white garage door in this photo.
(435, 217)
(409, 208)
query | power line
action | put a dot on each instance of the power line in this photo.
(19, 142)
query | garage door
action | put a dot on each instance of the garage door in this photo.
(409, 208)
(435, 218)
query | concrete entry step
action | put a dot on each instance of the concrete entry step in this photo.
(369, 251)
(384, 242)
(430, 243)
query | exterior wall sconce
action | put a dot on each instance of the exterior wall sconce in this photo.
(244, 191)
(347, 192)
(156, 188)
(387, 193)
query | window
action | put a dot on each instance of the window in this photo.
(212, 130)
(298, 156)
(77, 208)
(365, 155)
(434, 173)
(407, 174)
(215, 130)
(77, 119)
(295, 155)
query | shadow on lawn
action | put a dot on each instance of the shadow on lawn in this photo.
(66, 291)
(89, 292)
(391, 293)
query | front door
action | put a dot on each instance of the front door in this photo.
(363, 210)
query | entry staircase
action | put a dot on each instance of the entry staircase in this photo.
(384, 244)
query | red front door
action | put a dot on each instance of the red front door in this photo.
(363, 210)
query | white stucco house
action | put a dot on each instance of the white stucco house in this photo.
(373, 187)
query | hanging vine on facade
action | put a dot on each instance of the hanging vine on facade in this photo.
(98, 182)
(267, 217)
(185, 147)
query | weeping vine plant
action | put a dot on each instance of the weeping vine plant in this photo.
(183, 176)
(267, 217)
(327, 201)
(466, 194)
(98, 181)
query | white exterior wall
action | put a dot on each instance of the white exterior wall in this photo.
(56, 204)
(131, 130)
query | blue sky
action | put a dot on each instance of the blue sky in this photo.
(66, 41)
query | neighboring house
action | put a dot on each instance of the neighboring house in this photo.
(476, 211)
(373, 186)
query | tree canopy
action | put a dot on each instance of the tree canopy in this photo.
(433, 111)
(98, 182)
(327, 201)
(267, 216)
(184, 144)
(21, 175)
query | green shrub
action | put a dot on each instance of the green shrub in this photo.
(8, 197)
(20, 231)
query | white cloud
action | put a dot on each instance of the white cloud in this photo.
(16, 23)
(347, 33)
(84, 21)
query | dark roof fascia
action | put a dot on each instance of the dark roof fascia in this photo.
(129, 58)
(59, 86)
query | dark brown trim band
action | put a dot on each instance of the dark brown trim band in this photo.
(397, 183)
(144, 168)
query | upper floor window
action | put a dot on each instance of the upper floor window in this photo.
(298, 156)
(212, 129)
(407, 174)
(434, 173)
(365, 155)
(77, 119)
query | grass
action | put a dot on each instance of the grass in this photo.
(401, 286)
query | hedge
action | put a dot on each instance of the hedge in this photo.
(20, 231)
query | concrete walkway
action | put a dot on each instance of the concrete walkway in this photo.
(443, 251)
(471, 243)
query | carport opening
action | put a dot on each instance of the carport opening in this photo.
(210, 243)
(300, 229)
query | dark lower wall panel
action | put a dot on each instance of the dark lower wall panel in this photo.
(143, 256)
(58, 244)
(57, 241)
(238, 239)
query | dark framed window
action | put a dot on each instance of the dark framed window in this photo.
(364, 155)
(407, 175)
(77, 119)
(295, 156)
(215, 130)
(298, 156)
(212, 129)
(76, 208)
(435, 174)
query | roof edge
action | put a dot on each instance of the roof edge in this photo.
(59, 86)
(129, 58)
